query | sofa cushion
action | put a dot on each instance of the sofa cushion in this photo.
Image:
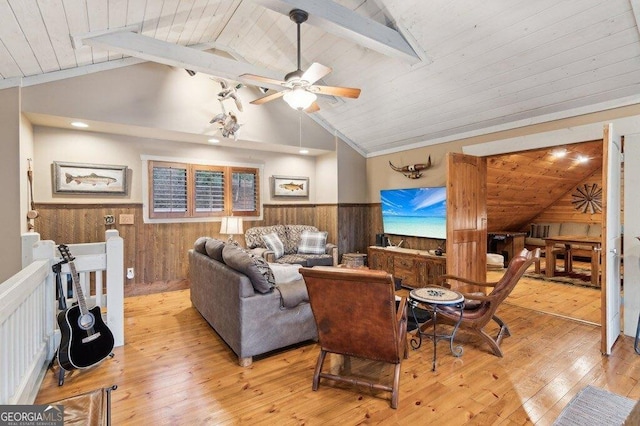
(572, 228)
(253, 236)
(595, 230)
(554, 229)
(256, 268)
(274, 243)
(312, 243)
(307, 260)
(199, 245)
(214, 249)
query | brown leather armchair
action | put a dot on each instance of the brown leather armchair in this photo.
(480, 308)
(355, 311)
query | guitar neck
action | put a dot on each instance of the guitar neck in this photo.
(76, 284)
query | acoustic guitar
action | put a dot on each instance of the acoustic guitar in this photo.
(86, 339)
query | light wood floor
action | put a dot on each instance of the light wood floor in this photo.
(175, 370)
(577, 302)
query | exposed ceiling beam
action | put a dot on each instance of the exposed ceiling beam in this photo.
(345, 23)
(151, 49)
(635, 6)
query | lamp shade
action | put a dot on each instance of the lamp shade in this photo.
(298, 98)
(231, 225)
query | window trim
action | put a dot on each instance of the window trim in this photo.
(231, 167)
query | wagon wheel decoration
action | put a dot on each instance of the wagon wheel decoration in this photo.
(588, 199)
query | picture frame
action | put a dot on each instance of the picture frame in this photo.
(80, 178)
(290, 186)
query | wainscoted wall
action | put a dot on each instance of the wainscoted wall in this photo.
(158, 252)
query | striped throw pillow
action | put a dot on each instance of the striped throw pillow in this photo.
(274, 243)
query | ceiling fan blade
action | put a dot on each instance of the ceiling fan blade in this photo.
(345, 92)
(268, 98)
(313, 108)
(262, 79)
(315, 72)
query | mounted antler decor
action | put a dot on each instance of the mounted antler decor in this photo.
(588, 198)
(413, 171)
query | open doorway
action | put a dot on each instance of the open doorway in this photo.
(530, 189)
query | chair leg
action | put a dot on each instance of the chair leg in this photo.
(495, 348)
(395, 391)
(316, 374)
(504, 330)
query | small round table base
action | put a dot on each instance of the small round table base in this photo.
(434, 298)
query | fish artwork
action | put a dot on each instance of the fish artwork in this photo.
(292, 186)
(92, 179)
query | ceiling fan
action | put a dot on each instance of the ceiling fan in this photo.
(300, 91)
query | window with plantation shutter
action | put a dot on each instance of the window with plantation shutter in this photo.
(180, 190)
(209, 190)
(169, 190)
(245, 192)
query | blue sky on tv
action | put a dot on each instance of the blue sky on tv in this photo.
(414, 201)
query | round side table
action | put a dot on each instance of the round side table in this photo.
(434, 298)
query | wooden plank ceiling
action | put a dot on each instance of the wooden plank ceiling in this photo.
(522, 185)
(483, 66)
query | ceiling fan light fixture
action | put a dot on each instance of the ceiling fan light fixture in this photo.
(299, 98)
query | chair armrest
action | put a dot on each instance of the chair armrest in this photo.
(265, 253)
(332, 249)
(442, 278)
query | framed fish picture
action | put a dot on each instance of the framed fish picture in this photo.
(290, 186)
(79, 178)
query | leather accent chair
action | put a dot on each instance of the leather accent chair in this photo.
(479, 308)
(355, 312)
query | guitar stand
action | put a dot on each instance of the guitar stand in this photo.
(62, 371)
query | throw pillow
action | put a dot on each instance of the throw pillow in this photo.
(312, 243)
(274, 243)
(199, 245)
(214, 249)
(255, 268)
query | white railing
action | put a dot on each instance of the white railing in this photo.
(28, 329)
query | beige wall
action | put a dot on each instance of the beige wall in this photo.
(87, 147)
(10, 176)
(160, 97)
(352, 182)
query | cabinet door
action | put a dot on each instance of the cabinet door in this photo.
(405, 267)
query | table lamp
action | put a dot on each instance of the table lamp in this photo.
(231, 225)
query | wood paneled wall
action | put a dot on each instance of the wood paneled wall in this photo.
(562, 210)
(158, 252)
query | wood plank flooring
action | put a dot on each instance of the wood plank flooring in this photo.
(577, 302)
(175, 370)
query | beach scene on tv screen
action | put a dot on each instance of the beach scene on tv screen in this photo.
(419, 212)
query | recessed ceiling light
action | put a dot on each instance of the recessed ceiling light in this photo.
(79, 124)
(582, 159)
(213, 140)
(303, 151)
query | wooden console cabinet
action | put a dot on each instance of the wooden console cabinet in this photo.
(417, 268)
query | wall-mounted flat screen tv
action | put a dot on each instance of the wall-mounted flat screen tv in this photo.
(418, 212)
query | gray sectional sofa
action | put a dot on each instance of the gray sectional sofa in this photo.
(253, 306)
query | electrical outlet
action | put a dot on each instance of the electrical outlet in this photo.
(109, 219)
(130, 273)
